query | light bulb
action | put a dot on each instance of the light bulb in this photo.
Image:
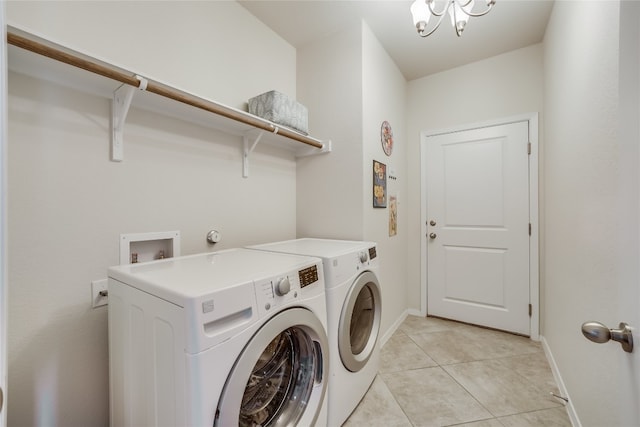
(460, 14)
(420, 13)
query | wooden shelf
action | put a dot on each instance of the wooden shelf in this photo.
(31, 55)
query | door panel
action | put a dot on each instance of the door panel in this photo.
(478, 231)
(476, 201)
(482, 266)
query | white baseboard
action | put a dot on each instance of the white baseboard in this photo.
(416, 312)
(571, 411)
(394, 327)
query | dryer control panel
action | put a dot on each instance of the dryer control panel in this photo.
(372, 253)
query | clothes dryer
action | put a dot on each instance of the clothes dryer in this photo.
(354, 309)
(229, 338)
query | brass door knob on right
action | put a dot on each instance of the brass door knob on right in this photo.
(432, 235)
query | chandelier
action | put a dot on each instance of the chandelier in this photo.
(459, 10)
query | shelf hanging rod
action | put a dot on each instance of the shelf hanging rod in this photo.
(52, 51)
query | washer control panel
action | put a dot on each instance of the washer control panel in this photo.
(282, 286)
(308, 276)
(285, 288)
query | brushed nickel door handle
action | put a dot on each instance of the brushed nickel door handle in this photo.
(599, 333)
(432, 236)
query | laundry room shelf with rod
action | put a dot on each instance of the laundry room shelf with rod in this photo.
(67, 67)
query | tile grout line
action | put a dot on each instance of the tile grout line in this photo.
(442, 367)
(531, 383)
(413, 331)
(456, 381)
(495, 417)
(396, 400)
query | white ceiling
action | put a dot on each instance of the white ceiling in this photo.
(511, 24)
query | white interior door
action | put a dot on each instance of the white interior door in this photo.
(478, 226)
(3, 217)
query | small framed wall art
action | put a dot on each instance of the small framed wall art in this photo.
(379, 185)
(386, 137)
(393, 216)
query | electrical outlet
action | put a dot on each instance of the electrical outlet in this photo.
(99, 295)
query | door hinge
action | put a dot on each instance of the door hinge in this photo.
(530, 310)
(529, 148)
(529, 229)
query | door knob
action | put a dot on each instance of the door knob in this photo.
(597, 332)
(432, 236)
(432, 223)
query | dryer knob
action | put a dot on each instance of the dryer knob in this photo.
(363, 257)
(283, 286)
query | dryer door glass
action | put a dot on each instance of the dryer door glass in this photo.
(360, 322)
(279, 378)
(362, 318)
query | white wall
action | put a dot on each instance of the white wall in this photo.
(384, 98)
(352, 85)
(503, 86)
(68, 203)
(329, 196)
(591, 167)
(215, 49)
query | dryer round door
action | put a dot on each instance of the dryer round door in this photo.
(278, 379)
(360, 322)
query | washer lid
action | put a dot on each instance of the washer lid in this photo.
(188, 277)
(324, 248)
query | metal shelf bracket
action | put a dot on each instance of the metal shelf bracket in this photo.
(248, 147)
(120, 105)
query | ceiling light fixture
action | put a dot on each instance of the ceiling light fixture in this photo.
(459, 10)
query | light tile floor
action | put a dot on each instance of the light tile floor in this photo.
(436, 372)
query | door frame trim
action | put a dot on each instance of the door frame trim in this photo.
(4, 263)
(534, 258)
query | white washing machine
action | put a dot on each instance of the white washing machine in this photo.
(229, 338)
(353, 314)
